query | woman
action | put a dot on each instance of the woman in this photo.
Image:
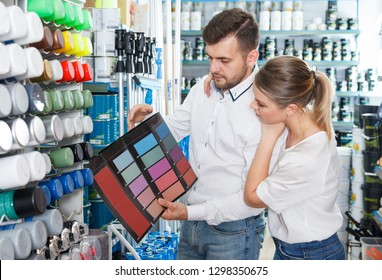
(301, 190)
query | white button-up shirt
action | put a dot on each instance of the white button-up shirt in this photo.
(301, 191)
(224, 134)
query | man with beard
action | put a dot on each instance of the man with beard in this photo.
(224, 134)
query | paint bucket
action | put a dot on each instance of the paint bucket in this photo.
(104, 43)
(186, 20)
(196, 20)
(358, 141)
(265, 20)
(104, 69)
(104, 132)
(372, 194)
(357, 168)
(370, 160)
(345, 159)
(372, 129)
(356, 194)
(105, 107)
(100, 215)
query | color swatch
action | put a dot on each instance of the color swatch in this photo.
(141, 166)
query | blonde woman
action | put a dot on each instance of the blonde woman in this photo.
(301, 190)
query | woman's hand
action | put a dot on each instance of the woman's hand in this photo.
(207, 84)
(137, 114)
(272, 131)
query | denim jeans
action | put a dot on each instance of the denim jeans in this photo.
(328, 249)
(237, 240)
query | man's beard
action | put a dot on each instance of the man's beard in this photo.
(225, 84)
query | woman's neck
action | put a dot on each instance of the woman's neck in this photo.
(300, 127)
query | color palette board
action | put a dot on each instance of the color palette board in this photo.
(141, 166)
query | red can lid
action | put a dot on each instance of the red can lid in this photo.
(88, 73)
(68, 71)
(78, 71)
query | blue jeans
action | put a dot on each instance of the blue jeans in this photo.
(328, 249)
(237, 240)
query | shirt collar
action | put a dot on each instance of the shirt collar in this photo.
(242, 88)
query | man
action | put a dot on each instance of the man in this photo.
(224, 134)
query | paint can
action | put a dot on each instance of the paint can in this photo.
(345, 159)
(6, 137)
(105, 107)
(372, 130)
(275, 20)
(370, 160)
(6, 102)
(104, 43)
(37, 165)
(265, 20)
(21, 240)
(358, 141)
(357, 168)
(15, 172)
(19, 97)
(186, 20)
(104, 132)
(7, 252)
(100, 215)
(356, 195)
(297, 20)
(286, 20)
(104, 69)
(372, 194)
(36, 229)
(52, 218)
(87, 124)
(18, 24)
(196, 20)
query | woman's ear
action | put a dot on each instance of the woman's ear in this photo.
(291, 109)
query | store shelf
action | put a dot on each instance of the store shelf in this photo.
(358, 94)
(300, 33)
(262, 62)
(343, 125)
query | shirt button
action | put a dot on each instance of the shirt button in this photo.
(205, 145)
(212, 123)
(198, 166)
